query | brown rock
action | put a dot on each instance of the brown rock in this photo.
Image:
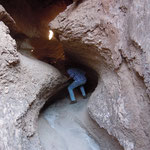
(112, 38)
(25, 85)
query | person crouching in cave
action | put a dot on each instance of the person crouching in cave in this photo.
(80, 79)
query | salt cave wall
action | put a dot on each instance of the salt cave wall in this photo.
(25, 85)
(112, 37)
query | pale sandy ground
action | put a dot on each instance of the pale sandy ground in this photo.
(65, 126)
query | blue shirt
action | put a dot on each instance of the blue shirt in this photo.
(76, 74)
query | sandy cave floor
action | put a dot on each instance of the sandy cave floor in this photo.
(65, 126)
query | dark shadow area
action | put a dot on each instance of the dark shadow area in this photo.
(91, 74)
(55, 98)
(77, 3)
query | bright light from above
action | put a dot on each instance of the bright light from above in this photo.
(51, 34)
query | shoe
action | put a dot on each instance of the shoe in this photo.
(73, 102)
(85, 97)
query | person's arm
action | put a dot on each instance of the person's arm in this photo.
(71, 73)
(68, 77)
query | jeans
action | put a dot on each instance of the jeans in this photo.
(74, 85)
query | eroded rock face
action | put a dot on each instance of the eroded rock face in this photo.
(7, 19)
(112, 38)
(25, 85)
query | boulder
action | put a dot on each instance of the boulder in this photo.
(112, 38)
(25, 85)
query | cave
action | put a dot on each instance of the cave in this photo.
(32, 19)
(31, 34)
(41, 39)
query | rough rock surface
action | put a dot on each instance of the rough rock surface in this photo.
(69, 127)
(7, 19)
(25, 85)
(112, 37)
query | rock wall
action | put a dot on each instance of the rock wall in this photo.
(111, 36)
(25, 85)
(7, 19)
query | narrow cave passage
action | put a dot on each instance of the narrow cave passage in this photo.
(91, 83)
(61, 126)
(66, 126)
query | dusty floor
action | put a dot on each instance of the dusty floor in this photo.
(65, 126)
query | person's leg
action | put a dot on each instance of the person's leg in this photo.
(71, 93)
(82, 91)
(70, 89)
